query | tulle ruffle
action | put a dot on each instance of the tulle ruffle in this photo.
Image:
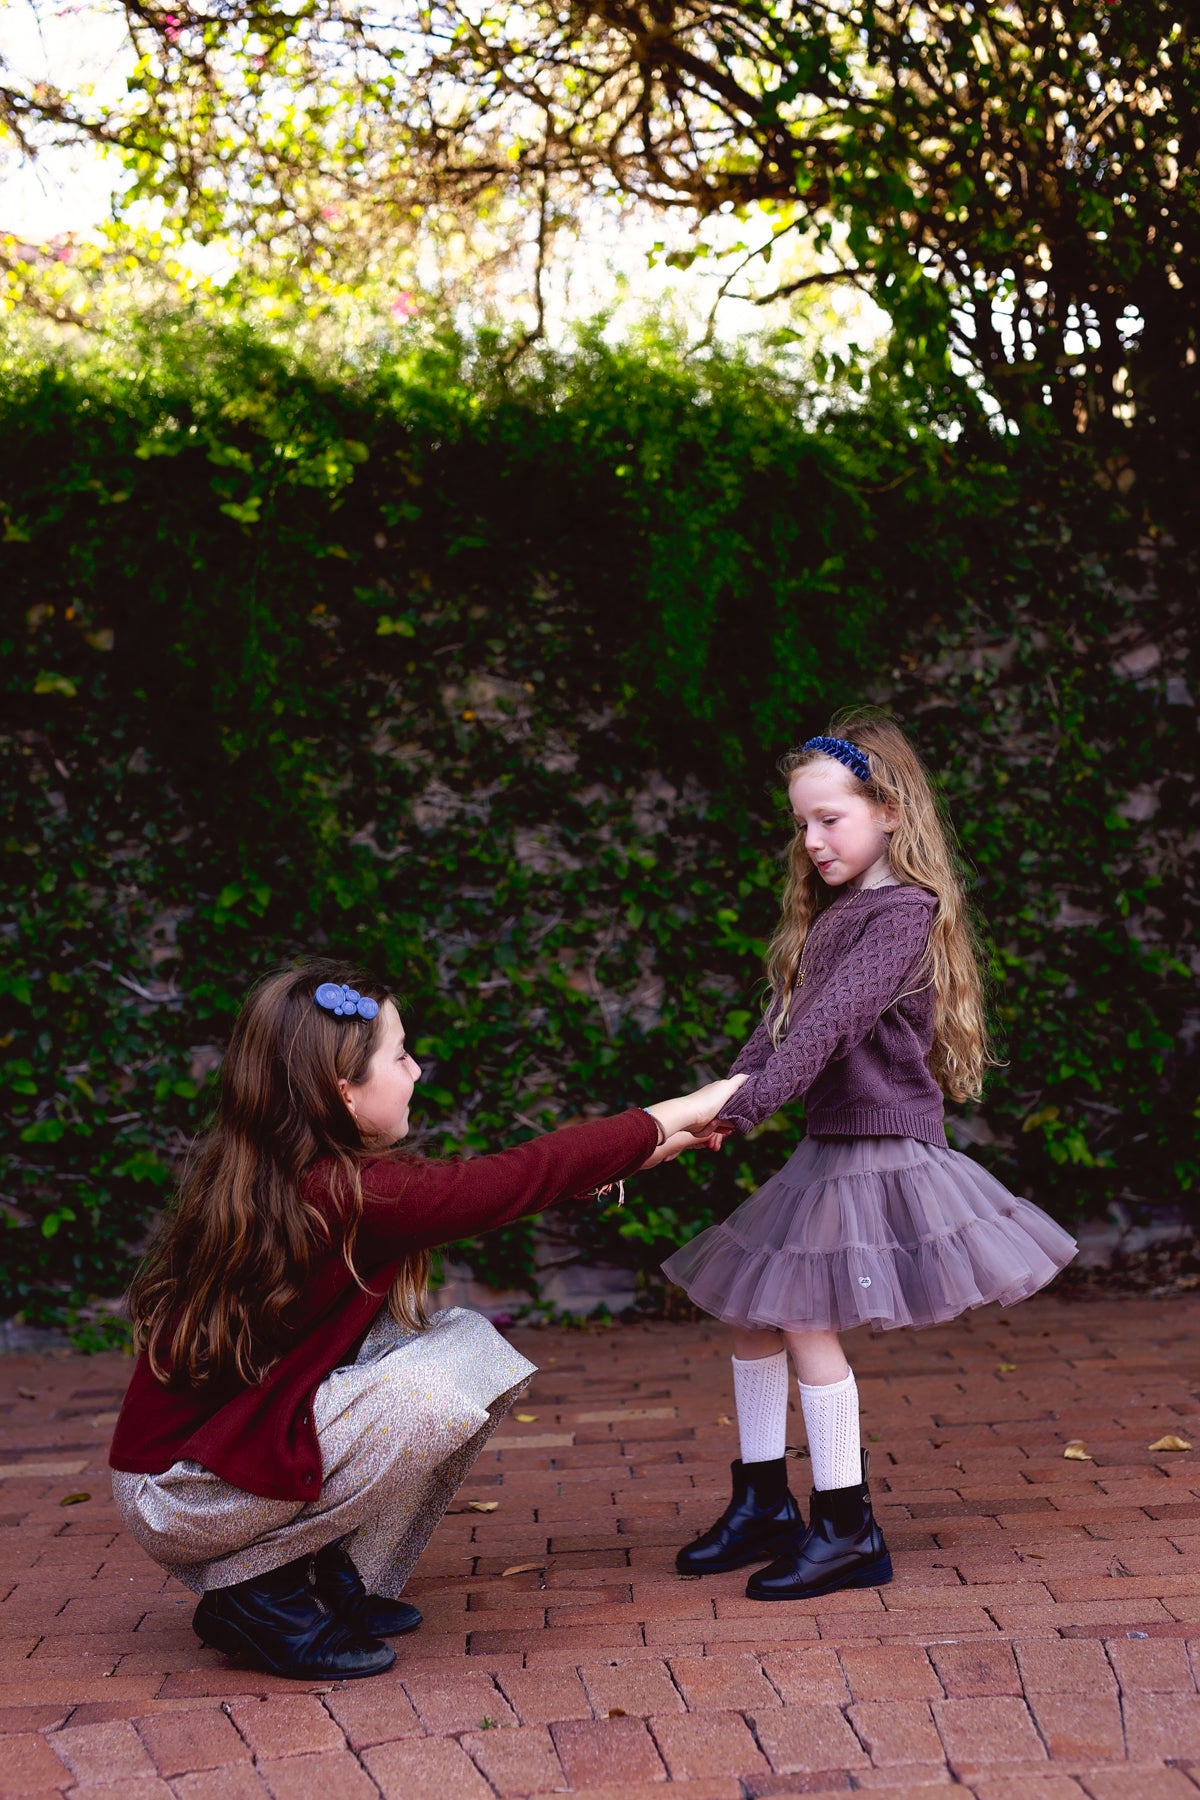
(880, 1231)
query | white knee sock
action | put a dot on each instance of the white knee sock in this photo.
(760, 1393)
(831, 1421)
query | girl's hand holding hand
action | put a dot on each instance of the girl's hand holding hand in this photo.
(674, 1146)
(689, 1122)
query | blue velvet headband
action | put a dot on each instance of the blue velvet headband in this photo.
(345, 1002)
(843, 751)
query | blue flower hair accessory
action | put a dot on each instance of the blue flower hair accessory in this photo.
(345, 1002)
(843, 751)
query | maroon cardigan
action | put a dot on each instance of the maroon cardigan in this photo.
(261, 1438)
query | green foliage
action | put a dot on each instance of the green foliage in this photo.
(481, 679)
(1014, 185)
(1077, 805)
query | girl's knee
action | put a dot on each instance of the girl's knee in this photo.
(750, 1345)
(817, 1356)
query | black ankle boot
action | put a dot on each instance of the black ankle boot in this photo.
(277, 1620)
(761, 1520)
(338, 1583)
(842, 1548)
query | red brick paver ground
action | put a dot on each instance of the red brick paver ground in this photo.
(1041, 1640)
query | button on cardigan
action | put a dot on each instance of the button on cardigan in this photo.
(261, 1438)
(857, 1043)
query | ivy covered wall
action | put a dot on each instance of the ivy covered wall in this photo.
(482, 679)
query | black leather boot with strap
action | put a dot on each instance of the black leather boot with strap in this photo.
(277, 1620)
(842, 1548)
(761, 1520)
(338, 1583)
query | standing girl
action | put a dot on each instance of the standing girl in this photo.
(297, 1424)
(875, 1011)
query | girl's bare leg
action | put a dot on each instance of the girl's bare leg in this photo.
(749, 1345)
(817, 1356)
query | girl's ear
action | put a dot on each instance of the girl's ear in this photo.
(344, 1091)
(891, 815)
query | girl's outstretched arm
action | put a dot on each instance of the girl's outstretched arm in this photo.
(756, 1052)
(415, 1203)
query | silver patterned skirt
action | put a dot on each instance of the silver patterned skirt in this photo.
(398, 1430)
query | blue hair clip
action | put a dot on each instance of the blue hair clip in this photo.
(843, 751)
(345, 1002)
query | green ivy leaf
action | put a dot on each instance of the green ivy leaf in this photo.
(44, 1131)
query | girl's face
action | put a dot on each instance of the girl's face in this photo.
(845, 833)
(380, 1102)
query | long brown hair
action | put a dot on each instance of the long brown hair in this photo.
(922, 852)
(211, 1300)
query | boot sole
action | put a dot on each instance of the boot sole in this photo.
(876, 1574)
(766, 1553)
(230, 1640)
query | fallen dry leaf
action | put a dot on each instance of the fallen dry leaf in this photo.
(1006, 1368)
(617, 1712)
(1171, 1442)
(724, 1419)
(1076, 1451)
(483, 1505)
(27, 1393)
(73, 1499)
(525, 1418)
(523, 1569)
(1035, 1555)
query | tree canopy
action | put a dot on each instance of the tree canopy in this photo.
(1015, 183)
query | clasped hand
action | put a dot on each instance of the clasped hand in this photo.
(690, 1122)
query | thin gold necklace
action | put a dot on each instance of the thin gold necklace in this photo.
(813, 927)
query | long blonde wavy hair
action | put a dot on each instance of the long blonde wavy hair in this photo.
(212, 1300)
(922, 853)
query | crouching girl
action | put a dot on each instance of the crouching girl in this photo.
(297, 1422)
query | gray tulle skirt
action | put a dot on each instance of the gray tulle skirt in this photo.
(882, 1231)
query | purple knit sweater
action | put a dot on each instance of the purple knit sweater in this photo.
(857, 1044)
